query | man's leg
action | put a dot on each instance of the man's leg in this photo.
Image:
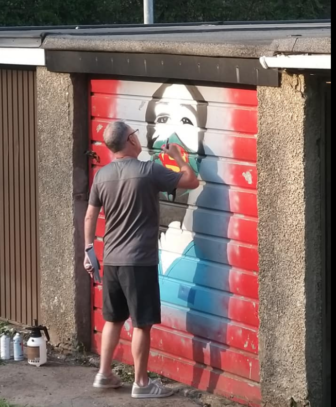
(114, 309)
(140, 350)
(141, 287)
(110, 340)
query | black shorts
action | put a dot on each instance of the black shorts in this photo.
(132, 291)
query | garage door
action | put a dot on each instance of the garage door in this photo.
(19, 248)
(208, 241)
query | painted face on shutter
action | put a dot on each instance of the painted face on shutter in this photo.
(176, 116)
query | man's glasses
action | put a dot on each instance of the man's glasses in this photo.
(132, 134)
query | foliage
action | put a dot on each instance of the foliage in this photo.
(4, 403)
(6, 329)
(86, 12)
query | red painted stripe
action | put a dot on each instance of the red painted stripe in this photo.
(99, 249)
(243, 202)
(110, 86)
(201, 351)
(243, 97)
(192, 374)
(100, 230)
(98, 127)
(238, 175)
(244, 284)
(215, 329)
(243, 257)
(242, 148)
(243, 230)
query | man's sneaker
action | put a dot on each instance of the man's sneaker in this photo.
(154, 390)
(103, 382)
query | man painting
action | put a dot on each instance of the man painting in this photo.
(128, 190)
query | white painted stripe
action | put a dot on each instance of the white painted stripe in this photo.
(22, 56)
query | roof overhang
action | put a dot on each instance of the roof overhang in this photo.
(236, 71)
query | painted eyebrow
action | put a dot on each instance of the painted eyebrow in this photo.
(189, 107)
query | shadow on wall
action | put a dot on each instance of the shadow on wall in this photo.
(202, 278)
(318, 269)
(188, 279)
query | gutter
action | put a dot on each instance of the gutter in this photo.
(22, 56)
(315, 62)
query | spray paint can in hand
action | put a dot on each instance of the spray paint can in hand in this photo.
(18, 348)
(5, 347)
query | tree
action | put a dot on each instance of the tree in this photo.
(83, 12)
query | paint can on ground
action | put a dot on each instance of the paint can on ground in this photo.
(18, 348)
(5, 347)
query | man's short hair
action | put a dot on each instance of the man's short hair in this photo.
(115, 136)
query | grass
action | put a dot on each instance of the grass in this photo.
(4, 403)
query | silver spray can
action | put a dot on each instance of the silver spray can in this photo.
(18, 348)
(5, 347)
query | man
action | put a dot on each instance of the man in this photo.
(128, 190)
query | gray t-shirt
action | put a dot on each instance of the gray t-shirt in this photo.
(128, 190)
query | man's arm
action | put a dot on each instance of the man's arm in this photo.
(188, 179)
(91, 219)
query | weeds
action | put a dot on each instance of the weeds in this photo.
(4, 403)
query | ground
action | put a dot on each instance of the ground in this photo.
(64, 385)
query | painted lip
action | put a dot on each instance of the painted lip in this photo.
(169, 162)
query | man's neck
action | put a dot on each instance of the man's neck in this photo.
(124, 156)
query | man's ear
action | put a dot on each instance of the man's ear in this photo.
(132, 140)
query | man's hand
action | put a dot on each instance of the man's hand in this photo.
(188, 179)
(90, 228)
(173, 151)
(88, 266)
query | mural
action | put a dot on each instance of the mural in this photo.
(208, 237)
(179, 113)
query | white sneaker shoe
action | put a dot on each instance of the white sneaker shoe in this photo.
(103, 382)
(154, 390)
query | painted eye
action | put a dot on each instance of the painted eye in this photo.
(162, 119)
(187, 121)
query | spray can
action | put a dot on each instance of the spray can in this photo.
(18, 348)
(5, 347)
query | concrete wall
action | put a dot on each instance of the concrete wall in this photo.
(289, 243)
(62, 165)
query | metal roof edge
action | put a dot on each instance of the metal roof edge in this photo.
(224, 23)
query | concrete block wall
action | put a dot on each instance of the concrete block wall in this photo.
(290, 243)
(63, 189)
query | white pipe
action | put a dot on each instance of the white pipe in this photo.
(297, 62)
(149, 11)
(22, 56)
